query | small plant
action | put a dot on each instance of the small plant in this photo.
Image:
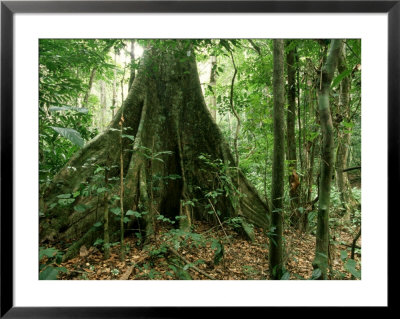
(49, 270)
(115, 272)
(350, 264)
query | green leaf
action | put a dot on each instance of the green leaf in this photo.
(51, 273)
(131, 137)
(48, 252)
(219, 253)
(98, 241)
(348, 124)
(133, 213)
(66, 202)
(70, 134)
(68, 108)
(343, 255)
(286, 276)
(80, 208)
(183, 274)
(64, 196)
(116, 211)
(350, 266)
(311, 216)
(101, 190)
(98, 169)
(98, 224)
(316, 274)
(340, 77)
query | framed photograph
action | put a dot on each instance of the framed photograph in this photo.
(161, 156)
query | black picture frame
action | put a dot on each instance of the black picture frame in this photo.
(9, 8)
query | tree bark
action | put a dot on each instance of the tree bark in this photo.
(103, 104)
(166, 116)
(291, 138)
(343, 139)
(322, 240)
(90, 84)
(133, 67)
(213, 82)
(114, 92)
(277, 193)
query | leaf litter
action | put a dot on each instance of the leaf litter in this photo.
(241, 259)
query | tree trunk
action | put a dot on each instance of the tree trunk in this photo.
(166, 116)
(343, 139)
(103, 105)
(275, 246)
(114, 92)
(213, 82)
(133, 67)
(291, 138)
(90, 84)
(322, 240)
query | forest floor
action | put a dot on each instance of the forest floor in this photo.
(197, 257)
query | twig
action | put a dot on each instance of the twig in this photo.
(219, 221)
(127, 273)
(352, 51)
(255, 46)
(351, 168)
(188, 262)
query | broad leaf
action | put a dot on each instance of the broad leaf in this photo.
(316, 274)
(51, 273)
(68, 108)
(340, 77)
(350, 265)
(70, 134)
(286, 276)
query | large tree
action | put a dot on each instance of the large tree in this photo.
(170, 152)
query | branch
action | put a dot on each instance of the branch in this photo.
(235, 113)
(255, 46)
(216, 214)
(353, 246)
(188, 262)
(351, 168)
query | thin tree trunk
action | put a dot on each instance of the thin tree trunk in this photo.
(343, 139)
(322, 238)
(90, 84)
(213, 82)
(291, 138)
(275, 246)
(235, 113)
(299, 111)
(103, 104)
(133, 67)
(106, 227)
(122, 84)
(114, 96)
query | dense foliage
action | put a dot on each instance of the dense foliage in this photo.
(82, 83)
